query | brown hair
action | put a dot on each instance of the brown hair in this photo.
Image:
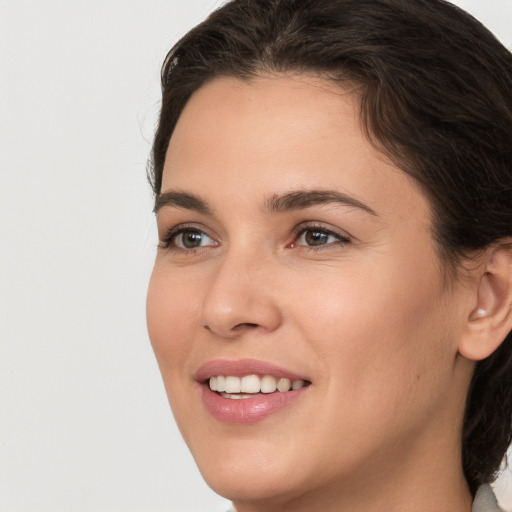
(436, 96)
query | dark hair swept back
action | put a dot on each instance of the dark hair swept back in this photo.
(435, 89)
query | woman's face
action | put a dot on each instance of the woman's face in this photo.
(292, 249)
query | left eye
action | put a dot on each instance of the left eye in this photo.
(191, 239)
(317, 237)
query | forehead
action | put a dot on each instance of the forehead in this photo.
(278, 109)
(274, 134)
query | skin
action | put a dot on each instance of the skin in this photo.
(370, 321)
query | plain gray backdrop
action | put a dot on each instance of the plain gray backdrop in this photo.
(84, 421)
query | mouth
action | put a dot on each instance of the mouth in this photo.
(247, 391)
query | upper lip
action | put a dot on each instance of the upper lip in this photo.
(241, 367)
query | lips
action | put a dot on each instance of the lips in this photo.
(247, 391)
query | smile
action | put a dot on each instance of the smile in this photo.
(250, 385)
(248, 391)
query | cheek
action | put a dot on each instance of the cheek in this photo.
(170, 316)
(381, 332)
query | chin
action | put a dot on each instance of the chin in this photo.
(250, 483)
(250, 471)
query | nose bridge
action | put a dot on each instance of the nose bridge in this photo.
(240, 294)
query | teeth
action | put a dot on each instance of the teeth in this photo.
(239, 396)
(284, 385)
(297, 384)
(250, 384)
(232, 385)
(221, 383)
(268, 384)
(235, 387)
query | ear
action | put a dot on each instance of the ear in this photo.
(490, 319)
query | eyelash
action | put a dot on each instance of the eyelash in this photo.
(168, 241)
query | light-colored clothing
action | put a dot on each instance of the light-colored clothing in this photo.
(485, 501)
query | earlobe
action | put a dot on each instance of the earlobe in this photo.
(490, 320)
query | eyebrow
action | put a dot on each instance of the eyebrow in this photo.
(301, 199)
(180, 199)
(291, 201)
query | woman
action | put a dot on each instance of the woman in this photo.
(331, 302)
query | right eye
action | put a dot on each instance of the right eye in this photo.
(186, 239)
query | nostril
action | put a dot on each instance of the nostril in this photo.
(239, 327)
(245, 325)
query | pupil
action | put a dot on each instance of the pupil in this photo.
(316, 238)
(192, 239)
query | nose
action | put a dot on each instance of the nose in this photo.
(241, 298)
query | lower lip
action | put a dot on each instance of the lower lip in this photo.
(247, 410)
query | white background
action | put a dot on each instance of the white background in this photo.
(84, 423)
